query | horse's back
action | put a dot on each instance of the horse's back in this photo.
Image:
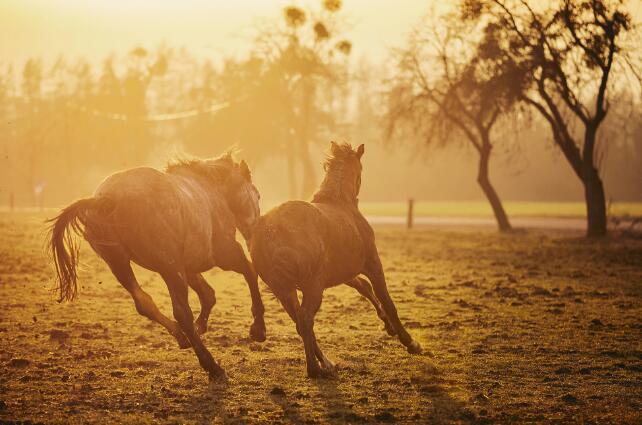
(146, 216)
(348, 237)
(131, 183)
(300, 241)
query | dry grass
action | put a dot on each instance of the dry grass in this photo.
(530, 327)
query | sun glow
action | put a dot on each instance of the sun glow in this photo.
(211, 29)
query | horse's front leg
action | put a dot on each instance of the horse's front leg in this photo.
(233, 258)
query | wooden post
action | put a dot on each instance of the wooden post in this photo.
(411, 203)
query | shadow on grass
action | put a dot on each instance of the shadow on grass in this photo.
(337, 402)
(210, 402)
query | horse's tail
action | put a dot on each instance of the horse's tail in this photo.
(64, 248)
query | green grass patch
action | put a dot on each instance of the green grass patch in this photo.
(482, 209)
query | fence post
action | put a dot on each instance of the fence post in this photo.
(411, 203)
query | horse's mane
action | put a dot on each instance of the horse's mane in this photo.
(216, 168)
(333, 188)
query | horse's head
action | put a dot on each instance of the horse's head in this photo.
(243, 198)
(343, 174)
(351, 167)
(233, 180)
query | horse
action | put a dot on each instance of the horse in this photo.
(179, 223)
(312, 246)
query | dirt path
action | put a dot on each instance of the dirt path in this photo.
(538, 326)
(551, 223)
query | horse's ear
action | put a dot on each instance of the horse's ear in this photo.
(333, 146)
(360, 150)
(245, 170)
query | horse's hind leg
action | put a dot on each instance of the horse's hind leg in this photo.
(185, 318)
(233, 258)
(312, 295)
(290, 303)
(206, 296)
(121, 268)
(364, 288)
(374, 272)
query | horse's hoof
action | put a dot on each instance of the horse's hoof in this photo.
(214, 369)
(218, 375)
(323, 373)
(414, 348)
(314, 373)
(328, 371)
(257, 332)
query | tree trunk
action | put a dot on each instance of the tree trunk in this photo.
(593, 187)
(290, 159)
(489, 191)
(595, 204)
(308, 180)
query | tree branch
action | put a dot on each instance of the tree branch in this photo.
(560, 135)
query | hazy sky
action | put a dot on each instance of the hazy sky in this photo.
(209, 28)
(95, 28)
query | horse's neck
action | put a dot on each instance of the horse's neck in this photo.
(215, 189)
(334, 190)
(340, 204)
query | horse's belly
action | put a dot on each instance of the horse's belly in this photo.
(343, 252)
(197, 255)
(298, 242)
(161, 238)
(344, 262)
(194, 258)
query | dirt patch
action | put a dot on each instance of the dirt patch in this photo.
(537, 326)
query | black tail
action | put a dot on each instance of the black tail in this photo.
(64, 247)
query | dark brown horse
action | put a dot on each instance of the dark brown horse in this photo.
(178, 223)
(315, 245)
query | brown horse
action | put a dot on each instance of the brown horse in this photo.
(178, 223)
(315, 245)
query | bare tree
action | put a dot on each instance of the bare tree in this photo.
(569, 50)
(304, 48)
(34, 126)
(444, 94)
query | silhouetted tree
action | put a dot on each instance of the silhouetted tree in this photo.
(443, 93)
(7, 132)
(256, 90)
(34, 125)
(304, 48)
(621, 132)
(569, 50)
(135, 83)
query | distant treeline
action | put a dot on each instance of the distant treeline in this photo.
(66, 125)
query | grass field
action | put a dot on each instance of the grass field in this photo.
(462, 209)
(482, 209)
(536, 326)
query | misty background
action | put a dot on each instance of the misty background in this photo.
(89, 88)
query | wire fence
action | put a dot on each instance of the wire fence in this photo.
(159, 117)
